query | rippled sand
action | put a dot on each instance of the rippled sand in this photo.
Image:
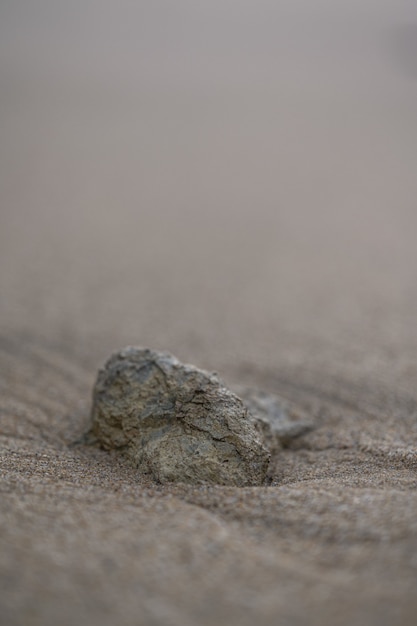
(235, 183)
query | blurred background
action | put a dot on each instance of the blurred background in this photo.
(232, 181)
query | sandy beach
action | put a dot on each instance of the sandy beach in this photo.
(234, 183)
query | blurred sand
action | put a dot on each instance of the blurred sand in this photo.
(234, 182)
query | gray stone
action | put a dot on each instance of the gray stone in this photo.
(176, 422)
(279, 420)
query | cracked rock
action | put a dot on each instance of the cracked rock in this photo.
(176, 422)
(179, 423)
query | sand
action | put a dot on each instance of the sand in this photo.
(237, 188)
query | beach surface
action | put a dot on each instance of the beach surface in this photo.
(235, 183)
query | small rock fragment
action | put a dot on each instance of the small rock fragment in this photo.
(176, 422)
(279, 420)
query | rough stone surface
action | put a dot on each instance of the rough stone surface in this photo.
(176, 422)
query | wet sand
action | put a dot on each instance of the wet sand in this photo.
(235, 185)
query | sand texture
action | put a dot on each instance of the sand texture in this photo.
(237, 188)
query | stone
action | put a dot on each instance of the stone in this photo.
(279, 420)
(176, 422)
